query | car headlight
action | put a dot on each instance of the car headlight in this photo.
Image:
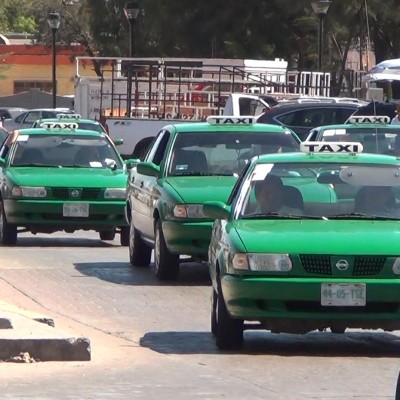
(189, 211)
(28, 191)
(396, 266)
(115, 193)
(262, 262)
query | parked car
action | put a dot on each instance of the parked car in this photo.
(83, 123)
(61, 179)
(302, 116)
(3, 135)
(333, 263)
(27, 118)
(186, 165)
(377, 108)
(10, 112)
(374, 132)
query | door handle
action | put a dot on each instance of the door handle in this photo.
(141, 184)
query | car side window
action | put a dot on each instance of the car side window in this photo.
(157, 151)
(20, 118)
(31, 117)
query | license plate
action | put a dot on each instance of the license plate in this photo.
(76, 210)
(343, 294)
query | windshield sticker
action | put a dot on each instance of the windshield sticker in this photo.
(22, 138)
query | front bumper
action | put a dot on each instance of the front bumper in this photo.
(190, 238)
(40, 213)
(297, 301)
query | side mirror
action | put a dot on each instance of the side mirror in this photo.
(148, 168)
(216, 210)
(131, 162)
(118, 141)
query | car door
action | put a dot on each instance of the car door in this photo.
(145, 189)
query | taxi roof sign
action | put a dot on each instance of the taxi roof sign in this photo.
(59, 125)
(369, 119)
(331, 147)
(231, 120)
(69, 116)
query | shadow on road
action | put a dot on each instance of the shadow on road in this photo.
(314, 344)
(44, 241)
(190, 274)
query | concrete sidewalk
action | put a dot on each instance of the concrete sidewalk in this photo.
(29, 337)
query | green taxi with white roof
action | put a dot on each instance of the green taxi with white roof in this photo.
(64, 119)
(326, 258)
(374, 132)
(186, 165)
(60, 178)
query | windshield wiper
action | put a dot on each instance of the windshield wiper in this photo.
(202, 174)
(272, 215)
(30, 165)
(361, 216)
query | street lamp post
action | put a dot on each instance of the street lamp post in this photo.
(53, 19)
(131, 11)
(320, 7)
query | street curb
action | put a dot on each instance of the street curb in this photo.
(31, 337)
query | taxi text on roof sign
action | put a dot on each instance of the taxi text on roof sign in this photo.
(69, 116)
(231, 120)
(369, 119)
(331, 147)
(59, 125)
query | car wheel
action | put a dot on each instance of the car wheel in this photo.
(229, 332)
(338, 329)
(214, 302)
(124, 236)
(166, 263)
(107, 235)
(139, 252)
(8, 233)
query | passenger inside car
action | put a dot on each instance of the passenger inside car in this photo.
(273, 196)
(375, 200)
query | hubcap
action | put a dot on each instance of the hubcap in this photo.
(157, 249)
(131, 238)
(1, 223)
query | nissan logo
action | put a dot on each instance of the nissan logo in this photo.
(75, 193)
(342, 265)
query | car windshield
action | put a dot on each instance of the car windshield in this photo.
(378, 140)
(226, 153)
(67, 150)
(320, 190)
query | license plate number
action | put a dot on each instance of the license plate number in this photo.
(343, 294)
(76, 210)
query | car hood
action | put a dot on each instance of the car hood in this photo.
(198, 189)
(61, 177)
(320, 237)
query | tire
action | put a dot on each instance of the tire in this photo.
(107, 235)
(124, 236)
(166, 263)
(8, 233)
(338, 329)
(214, 302)
(139, 252)
(229, 332)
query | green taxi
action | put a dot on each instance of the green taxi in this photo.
(324, 257)
(83, 123)
(61, 178)
(374, 132)
(186, 165)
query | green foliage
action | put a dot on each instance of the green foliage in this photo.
(260, 29)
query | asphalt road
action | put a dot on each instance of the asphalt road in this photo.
(151, 340)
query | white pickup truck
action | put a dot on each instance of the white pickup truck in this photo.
(133, 130)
